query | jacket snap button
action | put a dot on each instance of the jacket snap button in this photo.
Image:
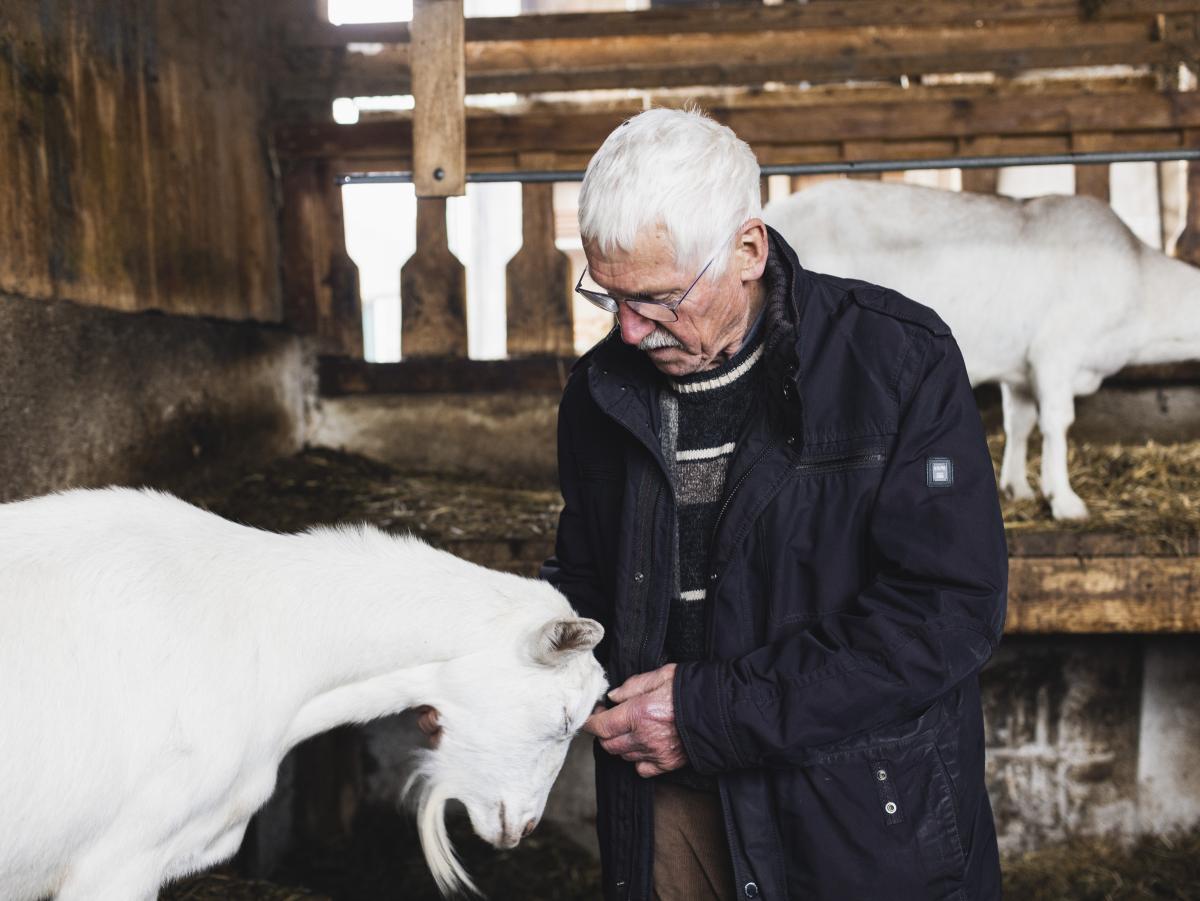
(713, 577)
(881, 775)
(890, 807)
(637, 577)
(751, 890)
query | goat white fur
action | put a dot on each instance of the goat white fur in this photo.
(1045, 296)
(157, 662)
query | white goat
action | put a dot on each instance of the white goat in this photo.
(157, 662)
(1045, 296)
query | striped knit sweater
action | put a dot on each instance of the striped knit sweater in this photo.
(702, 417)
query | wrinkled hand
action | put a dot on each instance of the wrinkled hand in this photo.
(641, 728)
(427, 720)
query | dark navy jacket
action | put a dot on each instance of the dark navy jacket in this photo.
(858, 578)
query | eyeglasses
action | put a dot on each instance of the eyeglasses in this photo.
(658, 310)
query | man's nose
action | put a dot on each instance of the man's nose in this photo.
(634, 327)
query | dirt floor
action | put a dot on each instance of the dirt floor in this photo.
(1145, 490)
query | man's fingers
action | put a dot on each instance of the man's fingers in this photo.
(622, 745)
(642, 683)
(646, 769)
(608, 723)
(634, 685)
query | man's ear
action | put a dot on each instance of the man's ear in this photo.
(560, 639)
(752, 250)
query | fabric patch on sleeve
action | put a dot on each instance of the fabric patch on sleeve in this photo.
(939, 472)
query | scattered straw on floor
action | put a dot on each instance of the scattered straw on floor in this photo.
(320, 485)
(1151, 489)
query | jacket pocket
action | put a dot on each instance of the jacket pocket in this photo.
(841, 461)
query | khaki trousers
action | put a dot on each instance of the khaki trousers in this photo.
(691, 857)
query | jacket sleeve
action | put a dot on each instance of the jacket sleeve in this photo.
(572, 569)
(930, 617)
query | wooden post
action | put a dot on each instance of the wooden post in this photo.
(1092, 179)
(538, 277)
(981, 181)
(439, 87)
(1188, 246)
(433, 290)
(320, 281)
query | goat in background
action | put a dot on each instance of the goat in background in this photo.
(157, 662)
(1045, 296)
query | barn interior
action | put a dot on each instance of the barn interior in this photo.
(183, 304)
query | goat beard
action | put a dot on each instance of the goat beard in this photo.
(660, 337)
(423, 792)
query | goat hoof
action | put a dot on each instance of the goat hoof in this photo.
(1069, 507)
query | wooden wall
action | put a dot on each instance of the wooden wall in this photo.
(133, 166)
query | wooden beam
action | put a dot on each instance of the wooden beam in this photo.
(439, 101)
(433, 290)
(538, 278)
(340, 376)
(1139, 594)
(751, 19)
(1041, 122)
(818, 55)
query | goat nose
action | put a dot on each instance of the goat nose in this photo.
(529, 827)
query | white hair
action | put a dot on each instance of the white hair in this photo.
(675, 168)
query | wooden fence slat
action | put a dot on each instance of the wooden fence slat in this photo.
(1188, 246)
(981, 181)
(538, 278)
(439, 105)
(320, 280)
(433, 290)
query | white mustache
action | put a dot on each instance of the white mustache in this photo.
(660, 337)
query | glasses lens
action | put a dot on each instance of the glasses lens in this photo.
(655, 311)
(603, 301)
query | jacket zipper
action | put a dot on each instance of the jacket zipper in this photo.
(835, 462)
(729, 497)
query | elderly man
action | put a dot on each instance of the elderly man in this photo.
(780, 504)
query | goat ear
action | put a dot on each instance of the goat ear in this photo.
(559, 639)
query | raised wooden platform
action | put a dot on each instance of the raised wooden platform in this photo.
(1097, 583)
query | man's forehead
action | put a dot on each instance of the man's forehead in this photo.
(649, 267)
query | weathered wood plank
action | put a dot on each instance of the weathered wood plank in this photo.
(320, 280)
(750, 18)
(131, 145)
(1188, 246)
(1103, 594)
(819, 55)
(433, 290)
(801, 132)
(981, 181)
(439, 104)
(538, 278)
(339, 376)
(1072, 543)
